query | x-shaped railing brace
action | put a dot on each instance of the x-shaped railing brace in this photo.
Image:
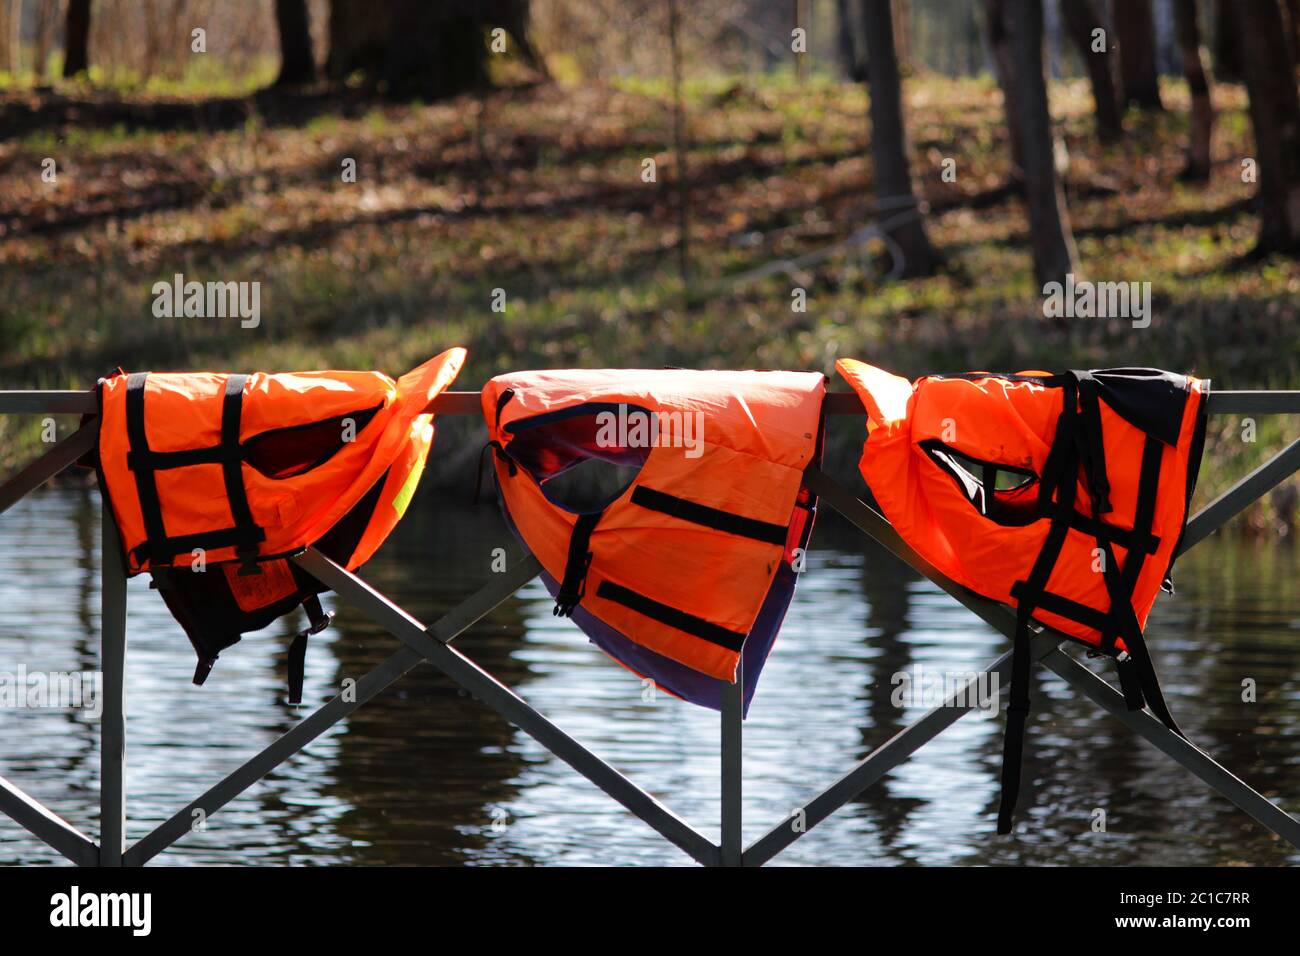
(433, 645)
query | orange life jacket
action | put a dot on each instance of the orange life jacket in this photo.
(694, 560)
(241, 471)
(1063, 495)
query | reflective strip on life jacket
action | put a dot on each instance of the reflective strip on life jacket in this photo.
(689, 563)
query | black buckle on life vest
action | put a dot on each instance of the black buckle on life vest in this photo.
(317, 620)
(500, 452)
(573, 589)
(1099, 488)
(248, 566)
(574, 585)
(203, 669)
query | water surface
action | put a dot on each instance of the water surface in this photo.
(426, 775)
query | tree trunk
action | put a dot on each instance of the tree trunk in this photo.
(1227, 42)
(1049, 222)
(76, 39)
(152, 39)
(44, 22)
(8, 59)
(1293, 30)
(1004, 67)
(1198, 83)
(359, 32)
(297, 63)
(421, 49)
(436, 50)
(902, 36)
(846, 46)
(898, 210)
(11, 37)
(1136, 35)
(16, 36)
(1080, 21)
(1275, 115)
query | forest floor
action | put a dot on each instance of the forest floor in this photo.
(539, 192)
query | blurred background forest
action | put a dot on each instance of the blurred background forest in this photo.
(726, 183)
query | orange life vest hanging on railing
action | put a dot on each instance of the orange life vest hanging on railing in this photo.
(215, 479)
(1062, 495)
(694, 560)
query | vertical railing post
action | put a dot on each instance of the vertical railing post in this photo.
(112, 728)
(733, 698)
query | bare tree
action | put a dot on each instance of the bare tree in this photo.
(76, 39)
(1049, 221)
(996, 14)
(435, 50)
(1136, 34)
(1227, 43)
(152, 38)
(422, 49)
(359, 31)
(46, 12)
(680, 148)
(897, 206)
(1082, 22)
(847, 45)
(1275, 116)
(902, 14)
(297, 64)
(1293, 30)
(11, 14)
(1196, 69)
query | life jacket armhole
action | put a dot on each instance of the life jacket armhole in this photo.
(1013, 505)
(283, 453)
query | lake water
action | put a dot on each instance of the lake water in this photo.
(426, 775)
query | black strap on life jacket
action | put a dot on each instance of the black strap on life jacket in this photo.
(1137, 674)
(244, 535)
(140, 462)
(727, 521)
(673, 617)
(1056, 498)
(1078, 448)
(317, 620)
(574, 585)
(502, 456)
(203, 668)
(232, 458)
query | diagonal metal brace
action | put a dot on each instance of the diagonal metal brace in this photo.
(1235, 500)
(1002, 619)
(445, 629)
(509, 705)
(1191, 757)
(883, 759)
(49, 464)
(47, 826)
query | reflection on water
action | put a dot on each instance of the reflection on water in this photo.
(426, 775)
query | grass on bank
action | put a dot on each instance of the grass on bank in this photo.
(539, 192)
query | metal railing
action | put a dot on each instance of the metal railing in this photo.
(433, 644)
